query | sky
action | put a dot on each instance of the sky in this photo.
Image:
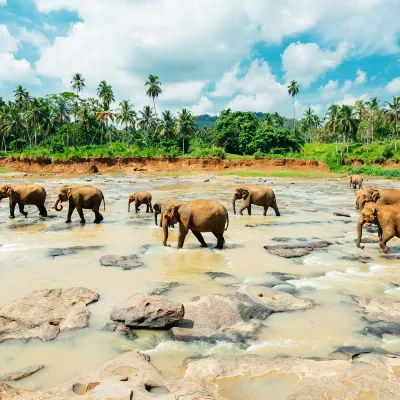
(208, 54)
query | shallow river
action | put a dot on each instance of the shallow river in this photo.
(307, 209)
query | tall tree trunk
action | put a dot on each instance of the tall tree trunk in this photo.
(294, 117)
(183, 144)
(154, 106)
(395, 133)
(373, 128)
(347, 144)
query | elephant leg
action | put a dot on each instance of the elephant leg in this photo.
(147, 207)
(380, 232)
(137, 205)
(249, 209)
(265, 210)
(244, 206)
(276, 209)
(220, 239)
(42, 210)
(98, 217)
(71, 209)
(386, 236)
(151, 207)
(12, 209)
(181, 238)
(80, 212)
(21, 210)
(200, 238)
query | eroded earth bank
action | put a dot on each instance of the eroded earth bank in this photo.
(289, 309)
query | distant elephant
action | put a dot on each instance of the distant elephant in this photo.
(24, 194)
(257, 195)
(197, 216)
(81, 197)
(140, 198)
(387, 217)
(356, 180)
(159, 208)
(378, 196)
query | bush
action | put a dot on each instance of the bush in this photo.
(259, 155)
(207, 153)
(387, 151)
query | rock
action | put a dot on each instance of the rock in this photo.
(352, 352)
(45, 313)
(319, 244)
(142, 310)
(249, 309)
(9, 393)
(63, 226)
(212, 318)
(288, 251)
(124, 262)
(391, 256)
(214, 275)
(110, 327)
(21, 374)
(378, 329)
(165, 288)
(341, 214)
(379, 310)
(286, 288)
(281, 239)
(67, 251)
(126, 331)
(274, 299)
(361, 259)
(285, 277)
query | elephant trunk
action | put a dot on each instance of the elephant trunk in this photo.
(129, 204)
(360, 224)
(56, 205)
(165, 230)
(234, 204)
(155, 216)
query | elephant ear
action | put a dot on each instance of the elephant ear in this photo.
(69, 194)
(375, 195)
(10, 192)
(245, 194)
(175, 212)
(157, 207)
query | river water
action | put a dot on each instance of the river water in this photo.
(307, 209)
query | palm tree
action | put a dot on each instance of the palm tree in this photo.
(347, 123)
(146, 120)
(35, 115)
(153, 89)
(332, 119)
(78, 83)
(277, 120)
(125, 115)
(13, 124)
(293, 90)
(167, 124)
(317, 123)
(308, 119)
(185, 125)
(21, 96)
(62, 111)
(392, 113)
(103, 115)
(105, 93)
(359, 107)
(83, 115)
(268, 119)
(373, 105)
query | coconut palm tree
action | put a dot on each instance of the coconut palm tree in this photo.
(78, 83)
(317, 124)
(154, 89)
(13, 124)
(147, 120)
(84, 115)
(185, 125)
(268, 119)
(277, 120)
(359, 108)
(21, 96)
(373, 106)
(103, 115)
(332, 119)
(308, 119)
(293, 90)
(392, 114)
(62, 112)
(167, 125)
(347, 123)
(105, 93)
(35, 115)
(125, 115)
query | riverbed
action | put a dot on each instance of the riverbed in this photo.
(27, 263)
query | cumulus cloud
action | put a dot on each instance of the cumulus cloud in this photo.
(35, 38)
(204, 106)
(49, 28)
(361, 77)
(8, 43)
(350, 100)
(184, 91)
(306, 62)
(346, 86)
(393, 86)
(329, 90)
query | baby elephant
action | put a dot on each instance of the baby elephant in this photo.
(197, 216)
(356, 180)
(387, 217)
(81, 197)
(257, 195)
(24, 194)
(159, 208)
(140, 198)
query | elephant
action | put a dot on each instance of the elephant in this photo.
(140, 198)
(356, 180)
(159, 208)
(378, 196)
(24, 194)
(387, 217)
(197, 216)
(80, 197)
(257, 195)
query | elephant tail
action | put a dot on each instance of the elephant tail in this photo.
(104, 201)
(227, 221)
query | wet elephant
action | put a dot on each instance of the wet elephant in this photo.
(81, 197)
(159, 209)
(378, 196)
(356, 180)
(197, 216)
(23, 195)
(140, 198)
(257, 195)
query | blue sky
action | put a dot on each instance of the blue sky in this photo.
(209, 55)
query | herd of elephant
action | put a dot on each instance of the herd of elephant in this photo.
(377, 206)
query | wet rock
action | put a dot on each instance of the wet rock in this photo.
(361, 259)
(124, 262)
(378, 329)
(68, 251)
(45, 313)
(214, 275)
(288, 251)
(126, 331)
(285, 277)
(110, 327)
(63, 226)
(10, 393)
(341, 214)
(391, 256)
(379, 310)
(310, 210)
(281, 239)
(213, 318)
(368, 240)
(351, 352)
(165, 288)
(274, 299)
(286, 288)
(143, 310)
(319, 244)
(21, 374)
(249, 309)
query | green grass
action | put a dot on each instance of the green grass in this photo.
(283, 173)
(3, 170)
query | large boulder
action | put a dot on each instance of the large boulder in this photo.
(146, 311)
(45, 313)
(124, 262)
(21, 374)
(379, 310)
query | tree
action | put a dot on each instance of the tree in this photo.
(185, 125)
(62, 110)
(277, 120)
(373, 106)
(332, 119)
(167, 125)
(21, 96)
(317, 123)
(13, 124)
(147, 121)
(105, 93)
(35, 115)
(78, 83)
(154, 89)
(392, 114)
(309, 120)
(359, 107)
(347, 123)
(125, 115)
(103, 115)
(293, 90)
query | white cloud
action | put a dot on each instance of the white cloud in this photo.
(16, 71)
(35, 38)
(329, 90)
(8, 43)
(394, 86)
(350, 100)
(316, 108)
(49, 28)
(361, 77)
(204, 106)
(306, 62)
(347, 85)
(184, 91)
(3, 2)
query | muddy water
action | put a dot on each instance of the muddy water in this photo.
(307, 212)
